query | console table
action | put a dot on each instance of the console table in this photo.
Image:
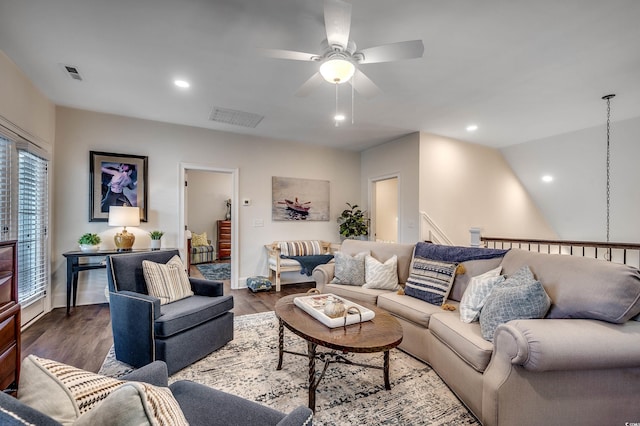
(74, 266)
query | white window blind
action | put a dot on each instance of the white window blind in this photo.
(8, 197)
(32, 226)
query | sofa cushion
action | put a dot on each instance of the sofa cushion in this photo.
(582, 287)
(355, 293)
(69, 394)
(187, 313)
(284, 262)
(465, 340)
(518, 297)
(349, 269)
(168, 282)
(410, 308)
(381, 275)
(470, 269)
(382, 252)
(430, 280)
(199, 240)
(477, 292)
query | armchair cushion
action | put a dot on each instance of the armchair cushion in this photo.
(168, 282)
(189, 312)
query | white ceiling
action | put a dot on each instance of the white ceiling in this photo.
(520, 69)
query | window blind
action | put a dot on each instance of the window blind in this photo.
(32, 226)
(8, 197)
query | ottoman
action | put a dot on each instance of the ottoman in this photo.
(258, 284)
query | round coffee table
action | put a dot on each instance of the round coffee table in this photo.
(381, 334)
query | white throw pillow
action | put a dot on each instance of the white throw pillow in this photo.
(167, 281)
(382, 276)
(476, 294)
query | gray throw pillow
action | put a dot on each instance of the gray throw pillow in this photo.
(349, 269)
(518, 297)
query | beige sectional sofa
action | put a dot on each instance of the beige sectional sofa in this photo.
(578, 365)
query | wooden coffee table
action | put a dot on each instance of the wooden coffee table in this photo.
(381, 334)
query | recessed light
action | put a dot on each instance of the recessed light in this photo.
(182, 84)
(339, 117)
(547, 178)
(472, 128)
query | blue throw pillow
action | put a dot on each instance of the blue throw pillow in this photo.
(520, 296)
(430, 280)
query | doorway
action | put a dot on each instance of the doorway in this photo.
(384, 209)
(203, 201)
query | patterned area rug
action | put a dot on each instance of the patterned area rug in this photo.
(347, 395)
(215, 271)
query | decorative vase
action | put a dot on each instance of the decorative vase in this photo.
(155, 244)
(334, 308)
(89, 248)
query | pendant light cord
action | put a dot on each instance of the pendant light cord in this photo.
(608, 99)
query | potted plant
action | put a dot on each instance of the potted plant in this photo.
(353, 223)
(89, 242)
(155, 239)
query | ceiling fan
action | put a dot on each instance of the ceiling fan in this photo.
(340, 58)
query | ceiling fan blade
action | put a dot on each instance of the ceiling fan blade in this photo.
(393, 52)
(308, 86)
(337, 22)
(287, 54)
(364, 85)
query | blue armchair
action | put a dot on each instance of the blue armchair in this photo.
(178, 333)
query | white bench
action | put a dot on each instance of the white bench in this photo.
(277, 265)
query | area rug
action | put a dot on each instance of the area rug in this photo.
(215, 271)
(347, 395)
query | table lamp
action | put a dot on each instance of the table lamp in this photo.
(124, 216)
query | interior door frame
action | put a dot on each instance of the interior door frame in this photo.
(372, 207)
(183, 167)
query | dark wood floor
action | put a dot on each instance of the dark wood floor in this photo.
(83, 338)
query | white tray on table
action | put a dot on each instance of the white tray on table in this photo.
(315, 303)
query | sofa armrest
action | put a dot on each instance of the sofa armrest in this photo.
(323, 274)
(569, 344)
(155, 374)
(206, 287)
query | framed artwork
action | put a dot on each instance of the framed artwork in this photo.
(116, 180)
(299, 199)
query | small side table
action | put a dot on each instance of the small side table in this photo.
(74, 266)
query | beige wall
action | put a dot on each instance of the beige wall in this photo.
(396, 158)
(23, 108)
(207, 192)
(386, 213)
(167, 146)
(463, 185)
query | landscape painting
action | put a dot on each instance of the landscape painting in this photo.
(299, 199)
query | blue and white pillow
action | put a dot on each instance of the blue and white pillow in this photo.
(476, 294)
(430, 280)
(349, 270)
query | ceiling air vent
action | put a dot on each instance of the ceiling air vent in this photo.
(72, 72)
(236, 118)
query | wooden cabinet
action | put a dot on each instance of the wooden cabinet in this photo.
(9, 317)
(223, 249)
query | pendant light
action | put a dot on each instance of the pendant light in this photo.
(608, 99)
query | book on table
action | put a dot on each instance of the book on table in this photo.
(315, 304)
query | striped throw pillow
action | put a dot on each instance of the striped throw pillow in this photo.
(430, 280)
(71, 395)
(168, 282)
(300, 248)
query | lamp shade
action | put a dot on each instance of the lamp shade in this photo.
(124, 216)
(337, 71)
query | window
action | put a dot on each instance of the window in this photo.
(24, 213)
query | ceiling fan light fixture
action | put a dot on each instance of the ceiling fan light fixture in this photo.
(337, 71)
(339, 117)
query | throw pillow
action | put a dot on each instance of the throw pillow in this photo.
(68, 394)
(476, 294)
(199, 240)
(300, 248)
(517, 297)
(382, 276)
(430, 280)
(349, 270)
(167, 281)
